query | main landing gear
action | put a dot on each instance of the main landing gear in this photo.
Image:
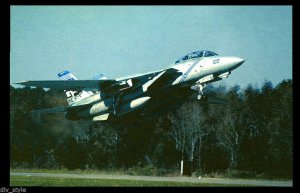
(115, 104)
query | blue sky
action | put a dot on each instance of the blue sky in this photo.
(125, 40)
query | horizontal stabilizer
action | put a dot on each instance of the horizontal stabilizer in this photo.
(52, 110)
(61, 109)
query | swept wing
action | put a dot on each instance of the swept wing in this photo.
(92, 85)
(71, 84)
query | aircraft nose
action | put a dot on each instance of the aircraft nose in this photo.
(240, 61)
(236, 62)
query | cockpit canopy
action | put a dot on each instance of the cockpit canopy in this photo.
(197, 54)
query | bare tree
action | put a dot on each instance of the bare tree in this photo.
(229, 138)
(187, 130)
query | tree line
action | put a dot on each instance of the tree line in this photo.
(251, 132)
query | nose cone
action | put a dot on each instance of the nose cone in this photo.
(235, 62)
(239, 61)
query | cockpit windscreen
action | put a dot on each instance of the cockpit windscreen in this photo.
(197, 54)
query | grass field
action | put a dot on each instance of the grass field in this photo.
(119, 178)
(77, 182)
(77, 171)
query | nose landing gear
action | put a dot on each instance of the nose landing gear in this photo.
(199, 96)
(199, 87)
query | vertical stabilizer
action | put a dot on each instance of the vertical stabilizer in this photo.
(73, 96)
(99, 76)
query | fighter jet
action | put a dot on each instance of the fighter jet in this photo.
(102, 99)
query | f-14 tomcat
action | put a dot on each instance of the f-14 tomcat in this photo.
(103, 99)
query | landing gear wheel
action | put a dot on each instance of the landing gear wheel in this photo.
(199, 96)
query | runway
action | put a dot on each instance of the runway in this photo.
(237, 182)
